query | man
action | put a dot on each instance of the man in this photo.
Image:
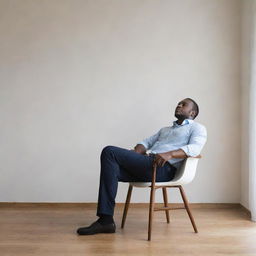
(167, 148)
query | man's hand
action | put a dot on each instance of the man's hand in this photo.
(161, 158)
(139, 148)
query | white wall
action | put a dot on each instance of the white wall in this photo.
(248, 82)
(78, 75)
(247, 27)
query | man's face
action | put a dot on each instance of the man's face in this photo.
(184, 110)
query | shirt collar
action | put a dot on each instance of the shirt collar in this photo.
(186, 121)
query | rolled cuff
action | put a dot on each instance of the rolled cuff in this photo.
(191, 150)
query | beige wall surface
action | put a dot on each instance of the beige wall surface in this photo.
(78, 75)
(247, 28)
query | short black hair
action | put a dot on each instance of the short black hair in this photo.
(195, 107)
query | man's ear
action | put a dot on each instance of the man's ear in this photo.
(193, 113)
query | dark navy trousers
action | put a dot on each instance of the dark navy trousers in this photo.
(119, 164)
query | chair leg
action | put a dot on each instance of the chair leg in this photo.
(187, 208)
(166, 204)
(152, 201)
(127, 203)
(151, 211)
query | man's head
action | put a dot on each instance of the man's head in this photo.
(186, 109)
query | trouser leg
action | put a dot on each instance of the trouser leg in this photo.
(118, 164)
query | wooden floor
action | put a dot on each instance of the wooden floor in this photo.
(51, 230)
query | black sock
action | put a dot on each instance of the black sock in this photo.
(105, 219)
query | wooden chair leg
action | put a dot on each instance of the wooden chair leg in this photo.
(151, 212)
(152, 202)
(187, 208)
(166, 204)
(127, 203)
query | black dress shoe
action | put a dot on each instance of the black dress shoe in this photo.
(96, 228)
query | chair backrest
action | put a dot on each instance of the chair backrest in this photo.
(187, 171)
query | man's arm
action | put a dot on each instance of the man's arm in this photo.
(146, 144)
(193, 148)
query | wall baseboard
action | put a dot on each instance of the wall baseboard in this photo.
(94, 205)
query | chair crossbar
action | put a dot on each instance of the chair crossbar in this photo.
(168, 208)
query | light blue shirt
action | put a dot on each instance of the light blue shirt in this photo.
(190, 136)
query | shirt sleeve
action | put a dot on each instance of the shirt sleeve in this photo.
(196, 142)
(150, 141)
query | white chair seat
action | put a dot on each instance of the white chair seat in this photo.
(184, 175)
(148, 184)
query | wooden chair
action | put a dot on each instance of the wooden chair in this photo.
(184, 175)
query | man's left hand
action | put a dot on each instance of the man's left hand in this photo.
(162, 158)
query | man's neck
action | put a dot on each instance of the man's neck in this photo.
(180, 121)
